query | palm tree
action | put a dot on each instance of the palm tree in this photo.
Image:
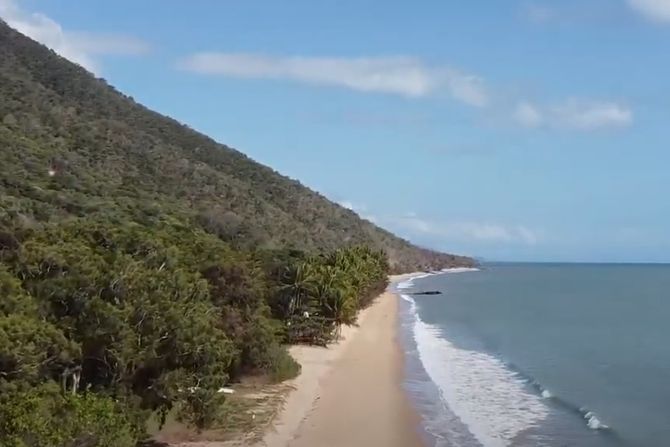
(336, 297)
(298, 285)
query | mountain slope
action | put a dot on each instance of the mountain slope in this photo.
(71, 145)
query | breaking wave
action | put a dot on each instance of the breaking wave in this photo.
(491, 400)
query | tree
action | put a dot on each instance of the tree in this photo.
(297, 286)
(43, 416)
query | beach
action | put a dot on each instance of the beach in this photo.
(351, 393)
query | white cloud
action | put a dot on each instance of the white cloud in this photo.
(353, 206)
(658, 10)
(591, 115)
(413, 225)
(528, 115)
(79, 47)
(400, 75)
(575, 114)
(359, 209)
(347, 204)
(407, 77)
(469, 89)
(464, 231)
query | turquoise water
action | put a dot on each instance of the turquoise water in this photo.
(542, 354)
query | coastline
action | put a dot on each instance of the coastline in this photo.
(351, 393)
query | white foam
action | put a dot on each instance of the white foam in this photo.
(409, 282)
(460, 270)
(488, 398)
(593, 422)
(546, 394)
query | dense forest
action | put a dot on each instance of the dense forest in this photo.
(144, 266)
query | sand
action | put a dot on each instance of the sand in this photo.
(350, 394)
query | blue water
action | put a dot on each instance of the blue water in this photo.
(541, 355)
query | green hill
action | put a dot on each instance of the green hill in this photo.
(144, 266)
(110, 157)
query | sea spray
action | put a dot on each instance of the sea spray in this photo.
(592, 421)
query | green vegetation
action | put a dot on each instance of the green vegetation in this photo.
(144, 266)
(122, 321)
(113, 158)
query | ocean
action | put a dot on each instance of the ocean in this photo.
(540, 355)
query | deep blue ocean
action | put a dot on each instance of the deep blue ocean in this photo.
(541, 355)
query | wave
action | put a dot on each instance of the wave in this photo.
(546, 394)
(494, 399)
(592, 420)
(490, 399)
(460, 270)
(409, 282)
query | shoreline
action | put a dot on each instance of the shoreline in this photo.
(351, 393)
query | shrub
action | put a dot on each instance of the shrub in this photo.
(43, 416)
(282, 365)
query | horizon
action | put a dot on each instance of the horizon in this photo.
(490, 262)
(517, 135)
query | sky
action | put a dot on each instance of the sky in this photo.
(529, 130)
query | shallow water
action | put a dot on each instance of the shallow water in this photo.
(541, 355)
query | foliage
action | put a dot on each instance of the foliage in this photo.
(122, 312)
(44, 416)
(162, 318)
(318, 294)
(281, 366)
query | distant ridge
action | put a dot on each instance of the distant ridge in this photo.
(71, 145)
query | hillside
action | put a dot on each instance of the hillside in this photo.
(73, 146)
(144, 266)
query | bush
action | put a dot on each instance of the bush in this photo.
(282, 365)
(44, 416)
(313, 330)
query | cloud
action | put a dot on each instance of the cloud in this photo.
(413, 225)
(408, 77)
(359, 209)
(349, 205)
(80, 47)
(657, 10)
(590, 115)
(398, 75)
(467, 88)
(528, 115)
(575, 114)
(463, 231)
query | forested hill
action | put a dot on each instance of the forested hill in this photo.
(72, 146)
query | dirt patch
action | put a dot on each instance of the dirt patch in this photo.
(246, 416)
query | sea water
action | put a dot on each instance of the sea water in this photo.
(540, 355)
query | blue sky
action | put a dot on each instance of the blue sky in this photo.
(509, 130)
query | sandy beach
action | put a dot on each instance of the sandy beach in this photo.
(350, 394)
